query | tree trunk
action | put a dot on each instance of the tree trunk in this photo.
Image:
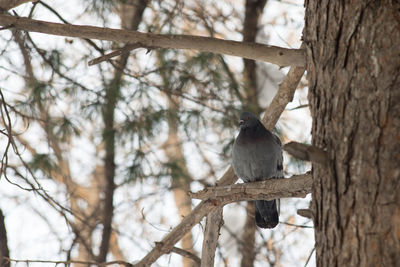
(253, 12)
(354, 74)
(130, 21)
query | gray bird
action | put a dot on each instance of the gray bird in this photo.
(257, 155)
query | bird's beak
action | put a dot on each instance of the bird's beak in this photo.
(241, 122)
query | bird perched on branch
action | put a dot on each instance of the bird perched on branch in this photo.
(257, 155)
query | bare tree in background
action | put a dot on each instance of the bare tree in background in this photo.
(180, 175)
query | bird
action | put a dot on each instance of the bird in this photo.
(256, 156)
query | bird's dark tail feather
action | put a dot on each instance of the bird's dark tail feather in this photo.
(266, 213)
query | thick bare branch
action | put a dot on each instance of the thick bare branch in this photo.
(277, 55)
(269, 189)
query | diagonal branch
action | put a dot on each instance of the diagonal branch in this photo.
(283, 97)
(277, 55)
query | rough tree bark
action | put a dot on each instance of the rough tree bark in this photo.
(354, 75)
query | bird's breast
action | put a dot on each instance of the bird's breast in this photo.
(253, 161)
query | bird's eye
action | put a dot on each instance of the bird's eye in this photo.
(248, 117)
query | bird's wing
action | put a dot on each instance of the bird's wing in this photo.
(276, 138)
(280, 157)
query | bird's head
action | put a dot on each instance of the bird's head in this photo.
(248, 120)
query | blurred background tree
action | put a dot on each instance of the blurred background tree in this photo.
(102, 156)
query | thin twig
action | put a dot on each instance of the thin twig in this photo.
(309, 257)
(297, 225)
(299, 107)
(125, 49)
